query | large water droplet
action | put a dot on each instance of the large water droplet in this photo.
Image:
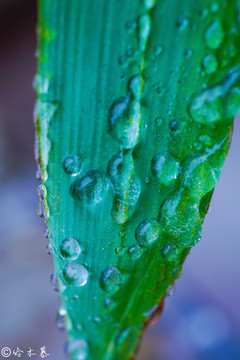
(164, 167)
(201, 170)
(214, 35)
(77, 349)
(75, 274)
(126, 185)
(72, 165)
(147, 231)
(144, 28)
(90, 188)
(70, 249)
(110, 279)
(124, 119)
(181, 219)
(207, 106)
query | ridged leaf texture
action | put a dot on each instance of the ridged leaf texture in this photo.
(134, 114)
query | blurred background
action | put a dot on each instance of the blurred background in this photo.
(200, 322)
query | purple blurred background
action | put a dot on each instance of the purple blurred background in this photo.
(200, 322)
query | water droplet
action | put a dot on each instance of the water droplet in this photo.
(214, 35)
(134, 85)
(158, 49)
(207, 106)
(164, 167)
(46, 233)
(122, 60)
(90, 188)
(175, 125)
(54, 282)
(119, 250)
(75, 274)
(170, 252)
(77, 349)
(147, 232)
(149, 4)
(201, 170)
(147, 180)
(60, 319)
(182, 22)
(108, 303)
(181, 219)
(124, 120)
(126, 185)
(110, 279)
(41, 84)
(70, 249)
(158, 121)
(144, 27)
(72, 165)
(214, 7)
(187, 53)
(134, 251)
(49, 249)
(170, 290)
(209, 64)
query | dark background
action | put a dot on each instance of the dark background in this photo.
(201, 321)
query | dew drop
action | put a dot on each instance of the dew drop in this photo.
(214, 35)
(175, 125)
(75, 274)
(54, 282)
(108, 303)
(182, 22)
(134, 251)
(126, 185)
(90, 188)
(119, 250)
(70, 249)
(144, 27)
(170, 252)
(46, 233)
(41, 84)
(158, 49)
(124, 120)
(206, 106)
(164, 167)
(60, 319)
(49, 249)
(72, 165)
(110, 279)
(134, 86)
(77, 349)
(209, 63)
(181, 219)
(147, 232)
(149, 4)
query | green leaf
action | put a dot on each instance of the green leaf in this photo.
(134, 116)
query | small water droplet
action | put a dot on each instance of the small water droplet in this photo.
(77, 349)
(119, 250)
(60, 319)
(134, 85)
(170, 290)
(214, 35)
(182, 22)
(158, 49)
(49, 249)
(90, 188)
(164, 167)
(147, 232)
(110, 279)
(187, 53)
(175, 125)
(170, 252)
(41, 84)
(122, 60)
(108, 303)
(70, 249)
(72, 165)
(54, 282)
(75, 274)
(134, 251)
(46, 233)
(209, 63)
(158, 121)
(149, 4)
(147, 180)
